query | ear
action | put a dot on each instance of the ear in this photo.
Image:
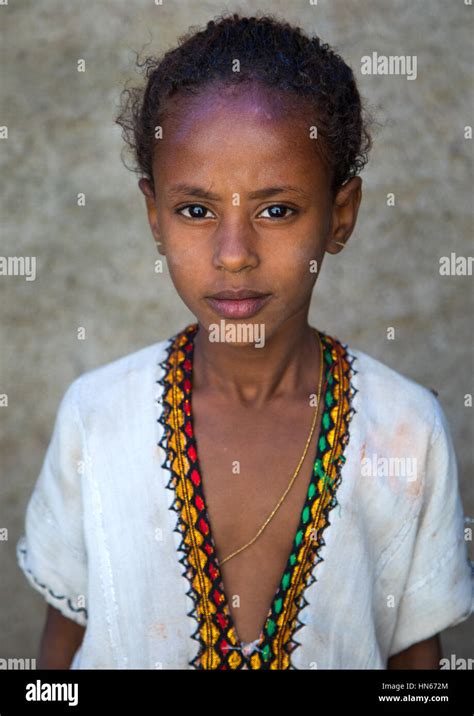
(149, 194)
(344, 214)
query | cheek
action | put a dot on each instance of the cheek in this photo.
(302, 259)
(293, 267)
(183, 256)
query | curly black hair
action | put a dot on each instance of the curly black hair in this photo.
(270, 51)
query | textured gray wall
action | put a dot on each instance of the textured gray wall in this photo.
(95, 263)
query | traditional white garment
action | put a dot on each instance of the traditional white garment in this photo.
(107, 528)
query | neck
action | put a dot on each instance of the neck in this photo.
(287, 366)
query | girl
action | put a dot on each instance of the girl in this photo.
(249, 493)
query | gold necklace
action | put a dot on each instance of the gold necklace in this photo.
(295, 474)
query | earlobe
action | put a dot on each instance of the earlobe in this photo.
(335, 247)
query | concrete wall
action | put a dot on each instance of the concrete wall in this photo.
(95, 263)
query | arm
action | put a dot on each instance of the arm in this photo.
(423, 655)
(60, 640)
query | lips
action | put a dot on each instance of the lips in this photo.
(235, 294)
(238, 303)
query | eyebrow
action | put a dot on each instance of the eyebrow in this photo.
(201, 193)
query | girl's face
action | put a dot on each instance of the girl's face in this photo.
(242, 201)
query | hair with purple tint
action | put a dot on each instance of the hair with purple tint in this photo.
(272, 52)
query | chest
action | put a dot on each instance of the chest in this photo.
(247, 460)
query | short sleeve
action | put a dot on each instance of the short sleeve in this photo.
(51, 552)
(440, 585)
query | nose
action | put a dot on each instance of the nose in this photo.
(235, 245)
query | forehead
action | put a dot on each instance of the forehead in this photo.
(252, 98)
(242, 128)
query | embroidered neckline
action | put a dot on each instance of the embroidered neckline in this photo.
(220, 647)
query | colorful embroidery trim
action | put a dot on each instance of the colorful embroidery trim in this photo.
(216, 634)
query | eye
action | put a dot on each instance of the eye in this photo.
(280, 211)
(198, 211)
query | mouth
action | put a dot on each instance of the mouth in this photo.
(241, 303)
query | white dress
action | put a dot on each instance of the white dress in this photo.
(117, 535)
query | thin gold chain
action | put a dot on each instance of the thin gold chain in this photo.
(295, 475)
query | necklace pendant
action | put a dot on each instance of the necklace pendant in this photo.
(250, 647)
